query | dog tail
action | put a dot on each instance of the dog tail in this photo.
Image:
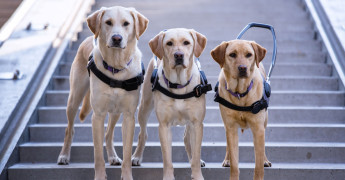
(86, 107)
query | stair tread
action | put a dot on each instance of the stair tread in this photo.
(297, 125)
(204, 144)
(339, 166)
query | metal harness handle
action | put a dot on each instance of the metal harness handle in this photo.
(266, 26)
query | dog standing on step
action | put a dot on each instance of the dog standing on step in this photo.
(241, 90)
(175, 49)
(114, 53)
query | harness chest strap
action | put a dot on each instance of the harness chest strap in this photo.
(254, 108)
(198, 90)
(128, 85)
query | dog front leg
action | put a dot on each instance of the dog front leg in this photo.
(98, 137)
(232, 141)
(187, 140)
(196, 139)
(128, 125)
(109, 136)
(165, 138)
(259, 148)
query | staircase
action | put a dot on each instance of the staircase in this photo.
(306, 126)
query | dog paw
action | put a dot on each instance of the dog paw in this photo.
(136, 161)
(226, 163)
(115, 161)
(200, 177)
(63, 160)
(168, 178)
(101, 178)
(202, 163)
(267, 164)
(126, 178)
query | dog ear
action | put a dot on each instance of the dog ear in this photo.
(199, 42)
(140, 22)
(156, 45)
(260, 52)
(218, 53)
(94, 21)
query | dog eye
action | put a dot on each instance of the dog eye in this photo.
(108, 23)
(169, 43)
(186, 42)
(125, 23)
(233, 55)
(248, 55)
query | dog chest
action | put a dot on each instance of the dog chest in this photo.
(180, 112)
(117, 100)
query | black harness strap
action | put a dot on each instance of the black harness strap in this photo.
(128, 85)
(254, 108)
(198, 90)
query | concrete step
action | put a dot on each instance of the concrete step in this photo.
(290, 46)
(260, 35)
(286, 57)
(297, 114)
(300, 53)
(263, 39)
(210, 152)
(281, 68)
(149, 171)
(279, 98)
(213, 132)
(195, 7)
(293, 83)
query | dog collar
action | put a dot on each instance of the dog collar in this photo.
(112, 69)
(175, 85)
(239, 95)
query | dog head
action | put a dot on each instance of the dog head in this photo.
(238, 58)
(116, 26)
(178, 46)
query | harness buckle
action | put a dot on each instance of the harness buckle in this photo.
(257, 107)
(216, 97)
(198, 90)
(130, 86)
(115, 84)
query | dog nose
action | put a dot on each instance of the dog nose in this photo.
(242, 68)
(178, 58)
(178, 55)
(117, 39)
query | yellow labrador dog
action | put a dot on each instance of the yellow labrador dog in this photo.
(242, 99)
(178, 75)
(115, 72)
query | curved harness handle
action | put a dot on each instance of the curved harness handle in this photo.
(269, 27)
